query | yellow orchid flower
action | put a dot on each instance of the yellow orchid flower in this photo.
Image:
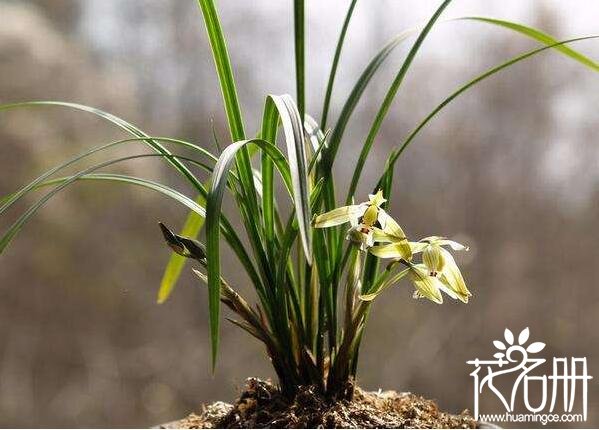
(438, 270)
(369, 224)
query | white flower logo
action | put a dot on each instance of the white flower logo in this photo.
(533, 348)
(515, 361)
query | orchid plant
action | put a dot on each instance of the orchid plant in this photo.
(300, 265)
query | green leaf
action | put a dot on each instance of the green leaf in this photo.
(213, 215)
(334, 65)
(296, 152)
(227, 230)
(537, 35)
(270, 123)
(180, 167)
(334, 238)
(225, 226)
(314, 134)
(172, 272)
(384, 109)
(300, 67)
(13, 198)
(490, 72)
(230, 233)
(247, 197)
(359, 87)
(223, 68)
(18, 224)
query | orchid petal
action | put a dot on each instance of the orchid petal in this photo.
(339, 216)
(391, 227)
(452, 277)
(433, 258)
(357, 235)
(432, 239)
(426, 285)
(417, 247)
(399, 249)
(383, 218)
(453, 245)
(448, 291)
(377, 199)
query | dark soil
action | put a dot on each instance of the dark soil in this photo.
(262, 406)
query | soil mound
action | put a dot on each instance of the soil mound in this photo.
(261, 405)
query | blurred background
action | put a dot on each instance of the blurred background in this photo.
(510, 168)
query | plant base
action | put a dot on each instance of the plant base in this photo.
(262, 406)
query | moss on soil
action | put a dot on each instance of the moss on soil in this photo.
(260, 405)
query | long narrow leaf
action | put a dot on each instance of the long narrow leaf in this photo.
(231, 235)
(359, 87)
(300, 66)
(384, 109)
(180, 167)
(247, 198)
(296, 152)
(223, 68)
(537, 35)
(270, 123)
(227, 230)
(213, 210)
(335, 64)
(24, 190)
(18, 224)
(396, 154)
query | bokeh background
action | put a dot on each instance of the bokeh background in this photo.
(511, 168)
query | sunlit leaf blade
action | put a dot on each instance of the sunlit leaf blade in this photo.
(330, 153)
(226, 228)
(359, 87)
(13, 198)
(270, 124)
(338, 216)
(314, 133)
(386, 104)
(537, 35)
(296, 153)
(300, 66)
(213, 215)
(172, 272)
(18, 224)
(250, 211)
(230, 233)
(396, 154)
(232, 108)
(223, 69)
(335, 63)
(120, 123)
